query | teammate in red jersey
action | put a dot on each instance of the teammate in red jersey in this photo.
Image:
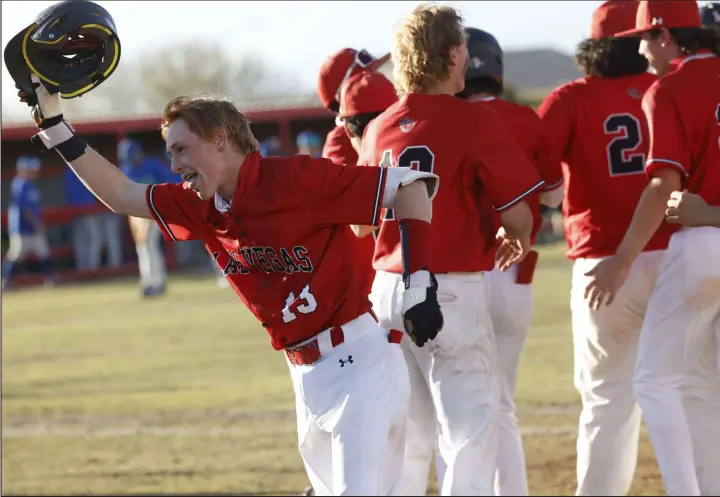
(336, 70)
(364, 97)
(677, 382)
(272, 225)
(429, 129)
(484, 85)
(595, 126)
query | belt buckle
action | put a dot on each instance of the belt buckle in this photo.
(306, 354)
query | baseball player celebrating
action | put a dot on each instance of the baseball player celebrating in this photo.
(676, 377)
(335, 71)
(455, 379)
(596, 127)
(509, 292)
(271, 225)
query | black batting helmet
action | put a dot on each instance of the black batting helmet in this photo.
(710, 14)
(485, 55)
(71, 46)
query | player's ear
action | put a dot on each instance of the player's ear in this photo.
(220, 139)
(455, 53)
(665, 37)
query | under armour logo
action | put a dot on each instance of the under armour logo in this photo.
(656, 21)
(345, 361)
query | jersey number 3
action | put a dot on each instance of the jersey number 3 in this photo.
(620, 159)
(417, 157)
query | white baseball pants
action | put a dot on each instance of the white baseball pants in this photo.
(677, 381)
(605, 351)
(511, 310)
(20, 245)
(151, 260)
(454, 386)
(351, 416)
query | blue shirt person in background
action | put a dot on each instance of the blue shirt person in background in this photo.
(146, 234)
(86, 228)
(309, 143)
(270, 147)
(25, 227)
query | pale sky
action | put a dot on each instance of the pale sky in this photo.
(295, 37)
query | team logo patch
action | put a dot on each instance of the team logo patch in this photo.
(635, 93)
(406, 124)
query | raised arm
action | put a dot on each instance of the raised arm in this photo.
(101, 177)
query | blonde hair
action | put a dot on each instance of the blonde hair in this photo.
(205, 114)
(421, 47)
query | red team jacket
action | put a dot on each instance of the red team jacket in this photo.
(683, 113)
(525, 126)
(338, 149)
(281, 243)
(596, 128)
(476, 158)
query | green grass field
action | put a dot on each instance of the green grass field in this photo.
(106, 394)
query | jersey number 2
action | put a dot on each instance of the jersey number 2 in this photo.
(308, 304)
(418, 157)
(620, 160)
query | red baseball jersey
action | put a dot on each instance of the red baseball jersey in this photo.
(280, 242)
(478, 162)
(596, 133)
(525, 126)
(683, 113)
(338, 149)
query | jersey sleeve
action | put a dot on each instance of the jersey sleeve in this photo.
(505, 171)
(668, 142)
(556, 118)
(333, 194)
(176, 211)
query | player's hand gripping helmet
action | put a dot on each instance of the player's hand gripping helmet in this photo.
(72, 47)
(710, 14)
(485, 57)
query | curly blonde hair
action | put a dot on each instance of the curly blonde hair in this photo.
(205, 114)
(421, 47)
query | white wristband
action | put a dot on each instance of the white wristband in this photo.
(55, 135)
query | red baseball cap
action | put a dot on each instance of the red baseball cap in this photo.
(339, 67)
(654, 14)
(612, 17)
(365, 93)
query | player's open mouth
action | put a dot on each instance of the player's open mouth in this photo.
(190, 180)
